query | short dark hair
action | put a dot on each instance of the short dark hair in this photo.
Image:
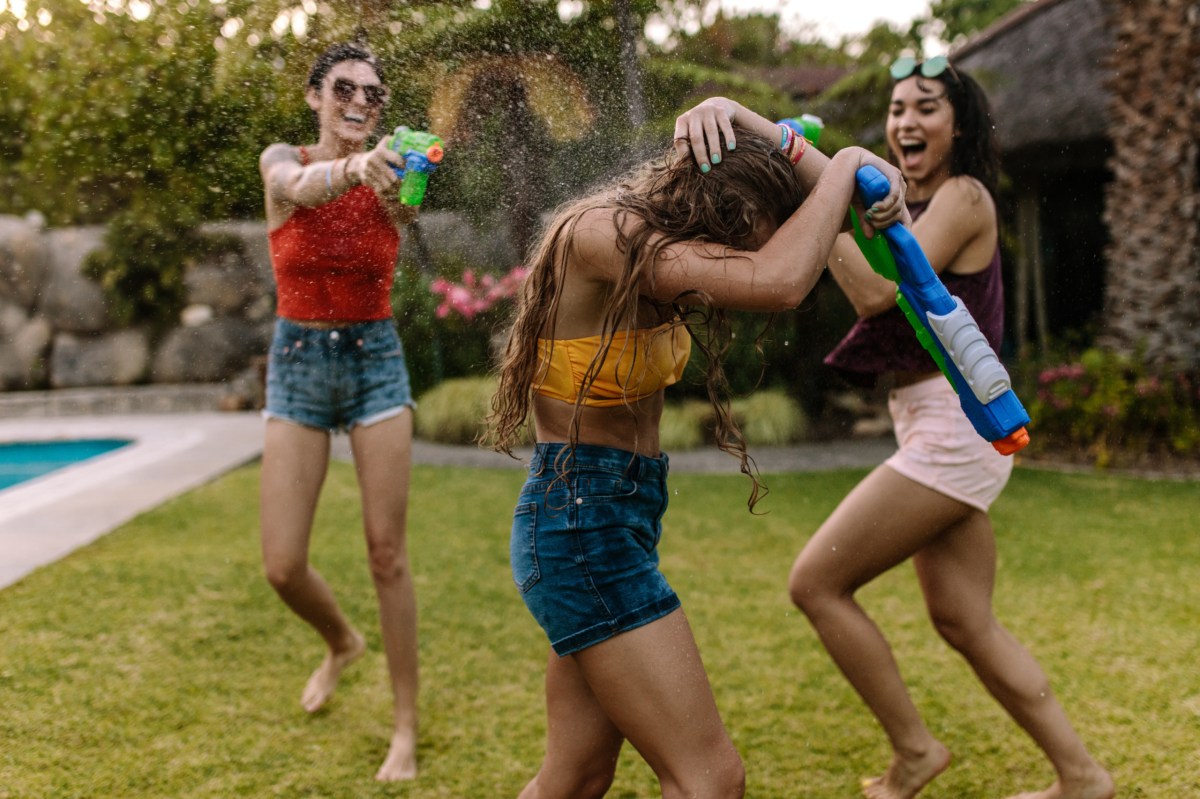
(342, 51)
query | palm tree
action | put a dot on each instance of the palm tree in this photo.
(1152, 205)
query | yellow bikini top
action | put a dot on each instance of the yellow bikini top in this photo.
(637, 364)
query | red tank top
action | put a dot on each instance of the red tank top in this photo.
(336, 262)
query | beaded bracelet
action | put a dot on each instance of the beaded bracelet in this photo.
(801, 148)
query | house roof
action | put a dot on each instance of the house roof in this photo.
(800, 82)
(1045, 67)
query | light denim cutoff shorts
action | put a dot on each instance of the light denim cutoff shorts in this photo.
(333, 379)
(584, 545)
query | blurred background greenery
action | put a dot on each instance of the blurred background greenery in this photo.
(147, 116)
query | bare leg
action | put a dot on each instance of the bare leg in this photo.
(882, 522)
(648, 686)
(293, 469)
(957, 573)
(582, 744)
(383, 458)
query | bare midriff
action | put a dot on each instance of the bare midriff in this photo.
(325, 324)
(633, 428)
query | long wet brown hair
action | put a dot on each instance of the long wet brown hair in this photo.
(660, 203)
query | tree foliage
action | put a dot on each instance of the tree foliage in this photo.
(153, 114)
(958, 19)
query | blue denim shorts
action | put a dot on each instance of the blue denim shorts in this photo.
(584, 546)
(334, 379)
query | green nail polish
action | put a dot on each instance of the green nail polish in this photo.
(704, 168)
(716, 158)
(732, 145)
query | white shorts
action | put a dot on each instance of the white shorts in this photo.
(939, 447)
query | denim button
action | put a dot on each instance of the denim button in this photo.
(578, 500)
(333, 334)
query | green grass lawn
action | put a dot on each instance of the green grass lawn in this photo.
(158, 662)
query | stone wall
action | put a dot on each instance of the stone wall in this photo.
(55, 331)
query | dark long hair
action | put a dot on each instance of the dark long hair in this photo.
(975, 152)
(658, 204)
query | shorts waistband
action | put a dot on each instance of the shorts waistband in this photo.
(590, 457)
(299, 330)
(349, 338)
(934, 386)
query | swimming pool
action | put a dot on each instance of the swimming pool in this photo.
(24, 460)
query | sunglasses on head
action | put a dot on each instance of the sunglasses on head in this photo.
(375, 94)
(906, 66)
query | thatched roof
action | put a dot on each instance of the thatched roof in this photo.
(1044, 67)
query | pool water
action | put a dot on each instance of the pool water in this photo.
(25, 460)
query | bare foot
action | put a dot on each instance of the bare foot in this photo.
(401, 761)
(322, 682)
(1096, 784)
(906, 776)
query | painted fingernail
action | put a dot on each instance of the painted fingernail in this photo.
(716, 158)
(731, 144)
(704, 168)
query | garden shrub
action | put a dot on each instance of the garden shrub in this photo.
(142, 263)
(439, 349)
(770, 419)
(683, 425)
(453, 411)
(1111, 408)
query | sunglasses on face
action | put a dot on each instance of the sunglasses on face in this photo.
(374, 94)
(906, 66)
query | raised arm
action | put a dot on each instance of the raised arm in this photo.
(957, 233)
(700, 131)
(775, 277)
(289, 184)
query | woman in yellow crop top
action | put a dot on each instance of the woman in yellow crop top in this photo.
(738, 214)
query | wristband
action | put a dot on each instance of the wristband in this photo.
(800, 148)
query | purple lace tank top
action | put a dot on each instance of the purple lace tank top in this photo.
(886, 342)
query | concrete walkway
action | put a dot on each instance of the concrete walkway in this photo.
(43, 519)
(813, 457)
(46, 518)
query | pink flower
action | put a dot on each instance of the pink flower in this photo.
(475, 295)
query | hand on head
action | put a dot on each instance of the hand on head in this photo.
(698, 131)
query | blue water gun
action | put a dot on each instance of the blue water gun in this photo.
(944, 326)
(422, 152)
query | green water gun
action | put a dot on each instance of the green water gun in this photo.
(422, 152)
(807, 125)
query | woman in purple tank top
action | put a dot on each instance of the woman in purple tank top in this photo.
(929, 502)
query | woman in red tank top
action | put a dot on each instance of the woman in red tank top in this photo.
(930, 500)
(336, 363)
